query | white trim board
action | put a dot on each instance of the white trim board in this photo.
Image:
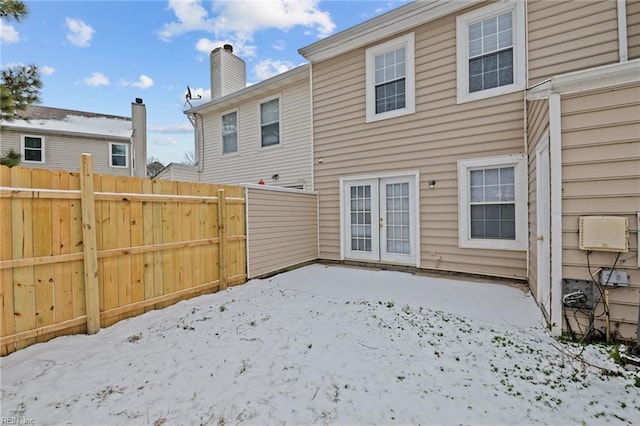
(585, 80)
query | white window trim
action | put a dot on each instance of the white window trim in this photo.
(126, 159)
(462, 49)
(464, 210)
(237, 151)
(42, 149)
(264, 101)
(408, 42)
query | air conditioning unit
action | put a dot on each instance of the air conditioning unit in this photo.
(604, 233)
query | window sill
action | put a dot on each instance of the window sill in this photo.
(464, 97)
(512, 245)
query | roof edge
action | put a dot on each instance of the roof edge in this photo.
(246, 92)
(385, 25)
(617, 74)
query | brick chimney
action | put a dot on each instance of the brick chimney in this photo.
(228, 72)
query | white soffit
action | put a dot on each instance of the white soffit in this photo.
(391, 23)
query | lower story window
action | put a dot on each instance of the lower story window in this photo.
(118, 155)
(33, 149)
(492, 203)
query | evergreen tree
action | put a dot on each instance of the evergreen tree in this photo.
(10, 158)
(20, 84)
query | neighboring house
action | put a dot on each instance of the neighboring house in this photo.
(54, 138)
(430, 130)
(178, 171)
(251, 134)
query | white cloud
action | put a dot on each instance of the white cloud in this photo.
(79, 34)
(96, 79)
(247, 17)
(165, 140)
(240, 47)
(8, 34)
(175, 128)
(236, 21)
(278, 45)
(45, 70)
(191, 17)
(144, 82)
(269, 68)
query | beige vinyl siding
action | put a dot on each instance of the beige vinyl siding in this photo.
(600, 164)
(538, 124)
(282, 229)
(290, 160)
(633, 28)
(62, 152)
(572, 35)
(431, 141)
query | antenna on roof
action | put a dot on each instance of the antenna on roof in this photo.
(188, 97)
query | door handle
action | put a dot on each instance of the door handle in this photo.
(381, 222)
(540, 238)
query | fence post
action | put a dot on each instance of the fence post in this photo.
(222, 240)
(89, 246)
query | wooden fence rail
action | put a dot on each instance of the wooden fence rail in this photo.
(80, 251)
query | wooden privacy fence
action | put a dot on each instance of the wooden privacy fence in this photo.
(80, 251)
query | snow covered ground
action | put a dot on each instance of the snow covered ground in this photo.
(323, 345)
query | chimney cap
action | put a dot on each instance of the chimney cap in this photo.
(228, 48)
(138, 100)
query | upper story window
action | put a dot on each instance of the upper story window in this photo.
(493, 203)
(230, 133)
(33, 149)
(270, 122)
(118, 155)
(390, 79)
(490, 51)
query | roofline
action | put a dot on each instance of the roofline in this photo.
(391, 23)
(616, 74)
(275, 82)
(45, 132)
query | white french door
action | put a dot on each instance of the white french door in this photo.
(380, 219)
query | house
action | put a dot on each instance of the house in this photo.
(472, 136)
(252, 134)
(54, 138)
(178, 171)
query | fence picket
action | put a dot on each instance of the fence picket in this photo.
(6, 275)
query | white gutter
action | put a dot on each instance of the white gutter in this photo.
(555, 154)
(622, 31)
(132, 147)
(602, 77)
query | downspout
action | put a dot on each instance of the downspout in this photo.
(193, 119)
(526, 122)
(313, 168)
(623, 49)
(555, 154)
(313, 162)
(132, 148)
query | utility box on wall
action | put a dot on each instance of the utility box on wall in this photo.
(604, 233)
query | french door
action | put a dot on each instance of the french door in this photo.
(380, 219)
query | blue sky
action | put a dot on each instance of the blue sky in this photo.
(99, 56)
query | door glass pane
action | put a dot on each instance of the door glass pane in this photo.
(398, 231)
(361, 218)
